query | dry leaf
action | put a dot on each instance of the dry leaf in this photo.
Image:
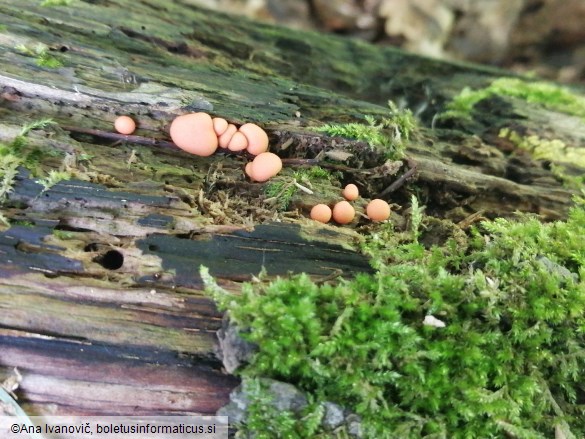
(338, 155)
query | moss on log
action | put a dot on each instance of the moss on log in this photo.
(99, 273)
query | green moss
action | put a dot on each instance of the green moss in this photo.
(282, 192)
(555, 151)
(23, 223)
(53, 178)
(13, 155)
(388, 133)
(47, 60)
(44, 58)
(9, 164)
(264, 421)
(547, 94)
(62, 234)
(51, 3)
(508, 360)
(39, 124)
(569, 181)
(315, 173)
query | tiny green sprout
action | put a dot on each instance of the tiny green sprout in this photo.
(281, 192)
(53, 178)
(36, 125)
(402, 122)
(9, 164)
(12, 156)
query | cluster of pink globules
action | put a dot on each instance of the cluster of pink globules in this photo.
(200, 134)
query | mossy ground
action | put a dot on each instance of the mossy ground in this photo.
(508, 361)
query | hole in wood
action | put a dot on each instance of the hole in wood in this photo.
(112, 260)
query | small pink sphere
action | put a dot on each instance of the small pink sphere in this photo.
(351, 192)
(125, 125)
(321, 213)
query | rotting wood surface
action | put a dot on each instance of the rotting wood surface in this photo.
(101, 307)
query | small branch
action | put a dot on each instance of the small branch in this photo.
(140, 140)
(400, 181)
(303, 188)
(303, 162)
(473, 218)
(381, 170)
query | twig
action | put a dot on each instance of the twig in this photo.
(378, 170)
(303, 188)
(140, 140)
(400, 181)
(473, 218)
(303, 162)
(331, 276)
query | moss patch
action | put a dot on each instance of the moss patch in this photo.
(388, 133)
(547, 94)
(544, 149)
(476, 340)
(15, 154)
(556, 151)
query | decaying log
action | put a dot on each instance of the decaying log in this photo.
(101, 304)
(112, 303)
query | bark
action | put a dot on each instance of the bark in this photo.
(101, 304)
